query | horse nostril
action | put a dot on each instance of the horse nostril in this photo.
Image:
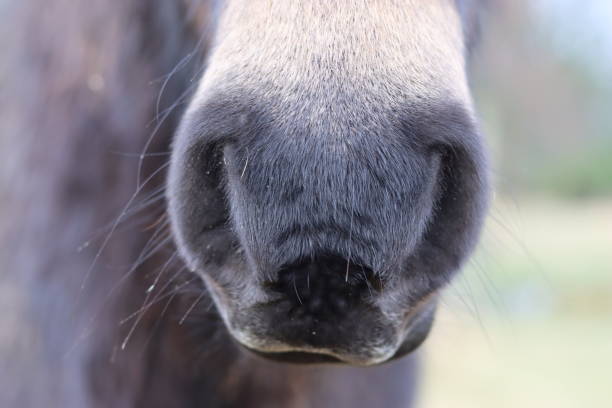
(324, 286)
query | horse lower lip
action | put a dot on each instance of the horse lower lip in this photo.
(298, 357)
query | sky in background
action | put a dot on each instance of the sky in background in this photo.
(582, 27)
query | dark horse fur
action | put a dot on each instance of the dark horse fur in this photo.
(98, 309)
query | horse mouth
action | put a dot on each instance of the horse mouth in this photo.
(360, 345)
(315, 357)
(297, 357)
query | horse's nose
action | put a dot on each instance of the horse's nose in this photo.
(324, 287)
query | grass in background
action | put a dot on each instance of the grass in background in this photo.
(529, 324)
(588, 174)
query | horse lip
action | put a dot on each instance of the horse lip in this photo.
(297, 357)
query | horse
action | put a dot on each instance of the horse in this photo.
(289, 184)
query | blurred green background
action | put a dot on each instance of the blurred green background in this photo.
(529, 323)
